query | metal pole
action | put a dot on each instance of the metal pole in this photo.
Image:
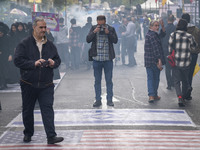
(195, 12)
(65, 12)
(0, 106)
(199, 13)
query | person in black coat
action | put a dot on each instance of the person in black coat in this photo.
(4, 54)
(85, 30)
(36, 57)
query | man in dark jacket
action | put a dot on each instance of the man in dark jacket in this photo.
(85, 29)
(102, 53)
(195, 32)
(36, 57)
(165, 44)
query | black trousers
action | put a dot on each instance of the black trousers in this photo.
(45, 97)
(181, 83)
(168, 73)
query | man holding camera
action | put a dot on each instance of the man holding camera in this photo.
(102, 54)
(37, 57)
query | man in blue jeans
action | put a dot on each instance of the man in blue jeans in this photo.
(102, 54)
(153, 58)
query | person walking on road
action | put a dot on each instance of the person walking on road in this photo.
(165, 44)
(195, 32)
(131, 41)
(153, 59)
(36, 57)
(183, 46)
(102, 53)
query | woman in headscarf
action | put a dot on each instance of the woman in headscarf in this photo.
(4, 54)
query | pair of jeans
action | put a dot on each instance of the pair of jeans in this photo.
(180, 75)
(153, 79)
(98, 67)
(131, 48)
(45, 97)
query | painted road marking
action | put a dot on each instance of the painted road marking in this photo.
(99, 117)
(107, 139)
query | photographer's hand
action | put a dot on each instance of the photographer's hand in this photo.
(97, 29)
(106, 30)
(39, 62)
(51, 62)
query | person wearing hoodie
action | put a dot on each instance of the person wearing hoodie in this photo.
(195, 32)
(184, 44)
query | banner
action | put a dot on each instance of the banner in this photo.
(51, 19)
(35, 1)
(163, 2)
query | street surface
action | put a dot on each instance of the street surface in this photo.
(132, 123)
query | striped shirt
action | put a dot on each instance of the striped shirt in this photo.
(102, 48)
(184, 44)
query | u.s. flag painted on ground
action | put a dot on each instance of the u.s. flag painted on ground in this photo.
(115, 140)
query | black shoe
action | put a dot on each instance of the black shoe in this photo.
(97, 104)
(189, 98)
(181, 102)
(27, 139)
(110, 103)
(54, 140)
(169, 88)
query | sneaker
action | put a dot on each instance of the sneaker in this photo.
(54, 140)
(181, 102)
(151, 99)
(110, 103)
(27, 139)
(97, 104)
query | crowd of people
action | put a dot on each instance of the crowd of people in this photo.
(73, 48)
(183, 39)
(70, 42)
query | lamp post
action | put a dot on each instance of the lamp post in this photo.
(199, 13)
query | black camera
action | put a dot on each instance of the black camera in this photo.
(45, 63)
(102, 29)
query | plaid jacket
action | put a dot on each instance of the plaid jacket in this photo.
(184, 44)
(153, 49)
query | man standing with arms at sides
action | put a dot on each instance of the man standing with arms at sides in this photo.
(153, 59)
(37, 57)
(131, 41)
(102, 53)
(165, 44)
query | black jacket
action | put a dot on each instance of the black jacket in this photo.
(25, 56)
(112, 38)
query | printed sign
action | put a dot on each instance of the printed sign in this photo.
(51, 19)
